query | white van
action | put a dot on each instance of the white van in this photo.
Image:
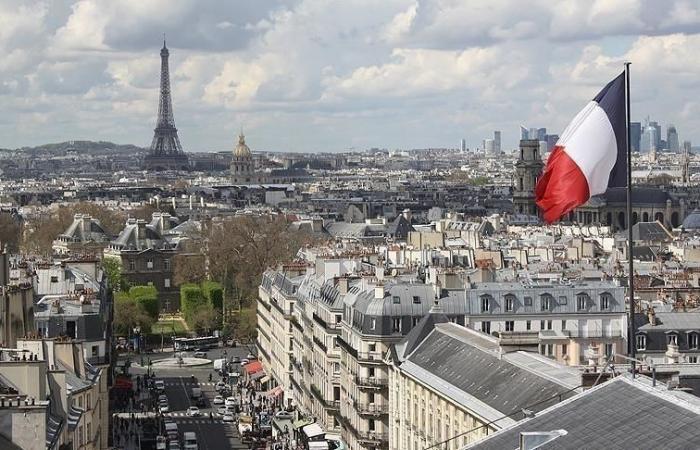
(190, 438)
(171, 430)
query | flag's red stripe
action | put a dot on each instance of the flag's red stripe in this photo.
(562, 186)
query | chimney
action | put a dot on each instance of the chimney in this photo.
(4, 265)
(407, 214)
(672, 354)
(379, 291)
(141, 226)
(343, 285)
(174, 203)
(191, 200)
(651, 315)
(85, 221)
(164, 221)
(379, 273)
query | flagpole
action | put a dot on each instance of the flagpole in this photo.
(632, 342)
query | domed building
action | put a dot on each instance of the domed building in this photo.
(242, 165)
(692, 222)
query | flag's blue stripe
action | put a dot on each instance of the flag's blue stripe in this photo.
(612, 100)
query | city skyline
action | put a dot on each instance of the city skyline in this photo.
(297, 77)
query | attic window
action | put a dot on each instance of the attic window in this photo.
(693, 340)
(54, 279)
(605, 302)
(416, 300)
(396, 299)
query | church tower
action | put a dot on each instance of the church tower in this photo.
(527, 170)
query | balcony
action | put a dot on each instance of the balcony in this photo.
(373, 438)
(372, 409)
(371, 382)
(320, 344)
(332, 327)
(519, 338)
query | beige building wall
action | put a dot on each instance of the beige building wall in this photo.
(420, 417)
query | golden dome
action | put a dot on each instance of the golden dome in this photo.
(242, 150)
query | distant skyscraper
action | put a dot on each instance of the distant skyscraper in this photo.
(672, 139)
(524, 133)
(543, 147)
(489, 146)
(541, 134)
(649, 139)
(463, 145)
(687, 149)
(635, 135)
(497, 141)
(532, 133)
(552, 141)
(657, 127)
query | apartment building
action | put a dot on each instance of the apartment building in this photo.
(62, 399)
(277, 295)
(377, 314)
(450, 385)
(562, 320)
(668, 337)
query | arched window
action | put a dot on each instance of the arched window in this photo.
(608, 219)
(635, 218)
(659, 216)
(645, 217)
(674, 220)
(621, 220)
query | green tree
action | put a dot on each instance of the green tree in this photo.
(10, 232)
(214, 294)
(129, 314)
(113, 269)
(147, 297)
(205, 319)
(191, 301)
(240, 249)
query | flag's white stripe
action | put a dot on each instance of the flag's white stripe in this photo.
(590, 142)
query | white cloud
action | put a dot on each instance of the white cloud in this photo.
(318, 74)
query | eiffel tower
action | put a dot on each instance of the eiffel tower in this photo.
(166, 152)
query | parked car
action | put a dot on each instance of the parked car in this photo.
(228, 417)
(251, 357)
(193, 411)
(284, 415)
(230, 401)
(223, 410)
(200, 354)
(218, 400)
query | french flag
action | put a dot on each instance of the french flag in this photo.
(589, 157)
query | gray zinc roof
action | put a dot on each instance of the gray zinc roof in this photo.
(470, 368)
(619, 414)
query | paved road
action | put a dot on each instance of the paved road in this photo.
(178, 388)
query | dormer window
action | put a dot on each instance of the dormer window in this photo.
(510, 303)
(693, 339)
(672, 338)
(581, 301)
(485, 304)
(416, 300)
(641, 342)
(546, 302)
(605, 302)
(396, 300)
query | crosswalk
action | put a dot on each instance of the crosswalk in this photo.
(178, 383)
(216, 415)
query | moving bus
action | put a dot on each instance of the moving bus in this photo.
(180, 344)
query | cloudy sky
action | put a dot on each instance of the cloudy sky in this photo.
(331, 75)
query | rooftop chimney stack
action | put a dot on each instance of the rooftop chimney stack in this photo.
(379, 291)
